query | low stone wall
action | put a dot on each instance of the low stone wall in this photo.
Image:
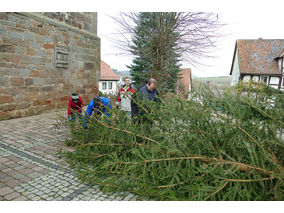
(44, 60)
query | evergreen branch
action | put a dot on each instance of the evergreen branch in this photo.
(126, 131)
(240, 180)
(218, 190)
(241, 166)
(260, 110)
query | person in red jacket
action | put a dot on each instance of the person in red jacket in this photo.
(75, 106)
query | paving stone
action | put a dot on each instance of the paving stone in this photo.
(30, 196)
(76, 199)
(26, 171)
(36, 198)
(3, 160)
(34, 191)
(40, 193)
(20, 190)
(21, 198)
(49, 198)
(19, 176)
(42, 175)
(12, 172)
(19, 168)
(38, 169)
(13, 183)
(12, 196)
(8, 163)
(2, 175)
(59, 198)
(44, 196)
(34, 175)
(25, 179)
(6, 190)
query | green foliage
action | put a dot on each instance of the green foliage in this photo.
(210, 147)
(154, 50)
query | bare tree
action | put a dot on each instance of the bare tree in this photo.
(192, 35)
(199, 33)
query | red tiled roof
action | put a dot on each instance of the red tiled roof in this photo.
(280, 54)
(107, 73)
(258, 56)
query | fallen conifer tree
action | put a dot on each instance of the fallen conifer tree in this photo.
(210, 147)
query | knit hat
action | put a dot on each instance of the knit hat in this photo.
(75, 97)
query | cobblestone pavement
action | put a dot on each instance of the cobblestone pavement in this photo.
(30, 168)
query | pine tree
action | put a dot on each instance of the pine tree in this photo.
(209, 147)
(154, 49)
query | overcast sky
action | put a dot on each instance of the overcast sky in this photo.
(251, 24)
(245, 19)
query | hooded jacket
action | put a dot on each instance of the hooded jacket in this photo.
(77, 107)
(106, 104)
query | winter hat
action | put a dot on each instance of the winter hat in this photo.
(75, 97)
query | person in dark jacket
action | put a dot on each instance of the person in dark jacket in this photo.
(146, 92)
(75, 106)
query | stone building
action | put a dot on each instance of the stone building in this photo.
(44, 57)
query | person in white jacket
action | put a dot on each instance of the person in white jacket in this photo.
(123, 98)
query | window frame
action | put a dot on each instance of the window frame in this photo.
(267, 79)
(104, 85)
(109, 85)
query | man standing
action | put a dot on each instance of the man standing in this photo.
(123, 98)
(75, 106)
(146, 92)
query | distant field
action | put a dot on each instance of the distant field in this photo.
(220, 82)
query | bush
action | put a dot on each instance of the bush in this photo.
(210, 147)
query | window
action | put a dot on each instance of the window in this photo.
(104, 85)
(255, 78)
(109, 85)
(246, 78)
(283, 82)
(274, 80)
(264, 79)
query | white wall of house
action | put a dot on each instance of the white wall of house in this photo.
(282, 83)
(236, 71)
(279, 62)
(108, 87)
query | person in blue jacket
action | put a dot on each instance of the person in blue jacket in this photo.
(99, 105)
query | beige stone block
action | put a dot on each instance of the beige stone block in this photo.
(6, 99)
(34, 74)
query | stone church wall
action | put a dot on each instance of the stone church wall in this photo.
(44, 57)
